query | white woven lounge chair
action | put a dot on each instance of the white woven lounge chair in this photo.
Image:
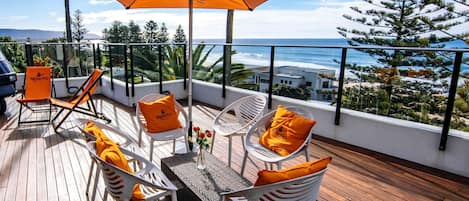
(247, 111)
(120, 184)
(117, 136)
(253, 148)
(165, 135)
(304, 188)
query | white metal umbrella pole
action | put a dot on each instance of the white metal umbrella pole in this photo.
(189, 91)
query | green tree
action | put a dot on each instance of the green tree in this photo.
(163, 35)
(117, 33)
(14, 53)
(135, 34)
(179, 36)
(150, 33)
(79, 29)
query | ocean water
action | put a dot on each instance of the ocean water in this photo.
(303, 57)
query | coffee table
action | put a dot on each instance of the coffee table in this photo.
(206, 185)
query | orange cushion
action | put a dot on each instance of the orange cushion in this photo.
(112, 154)
(102, 141)
(303, 169)
(287, 132)
(160, 115)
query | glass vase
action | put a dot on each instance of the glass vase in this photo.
(201, 163)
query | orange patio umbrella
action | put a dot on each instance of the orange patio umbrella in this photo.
(190, 4)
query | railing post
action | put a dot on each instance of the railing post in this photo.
(271, 75)
(132, 75)
(98, 50)
(451, 97)
(338, 105)
(225, 63)
(110, 66)
(185, 67)
(125, 72)
(160, 65)
(65, 65)
(29, 54)
(94, 56)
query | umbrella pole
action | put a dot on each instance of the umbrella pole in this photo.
(189, 91)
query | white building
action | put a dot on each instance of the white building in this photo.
(317, 80)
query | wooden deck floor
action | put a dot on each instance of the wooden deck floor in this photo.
(36, 164)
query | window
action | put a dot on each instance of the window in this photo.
(325, 84)
(289, 82)
(308, 84)
(281, 81)
(264, 81)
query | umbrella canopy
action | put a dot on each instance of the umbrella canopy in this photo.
(220, 4)
(190, 4)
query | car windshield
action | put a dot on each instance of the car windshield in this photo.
(5, 66)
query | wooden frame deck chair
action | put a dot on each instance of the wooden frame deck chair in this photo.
(304, 188)
(82, 96)
(37, 89)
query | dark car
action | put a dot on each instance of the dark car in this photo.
(7, 82)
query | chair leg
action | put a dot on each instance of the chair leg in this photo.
(19, 114)
(266, 167)
(230, 139)
(279, 165)
(140, 131)
(58, 114)
(151, 150)
(307, 154)
(186, 143)
(213, 143)
(89, 178)
(174, 146)
(271, 166)
(242, 142)
(105, 195)
(245, 157)
(174, 196)
(96, 180)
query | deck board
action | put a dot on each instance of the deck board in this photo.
(37, 164)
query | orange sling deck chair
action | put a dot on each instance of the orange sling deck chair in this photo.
(83, 95)
(37, 89)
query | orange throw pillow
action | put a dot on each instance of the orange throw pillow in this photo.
(287, 132)
(269, 177)
(102, 141)
(160, 115)
(112, 154)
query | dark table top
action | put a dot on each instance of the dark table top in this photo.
(205, 184)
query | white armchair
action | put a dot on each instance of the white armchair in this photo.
(304, 188)
(120, 183)
(255, 149)
(247, 111)
(165, 135)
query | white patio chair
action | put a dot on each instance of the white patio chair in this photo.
(114, 134)
(247, 111)
(120, 183)
(303, 188)
(165, 135)
(254, 148)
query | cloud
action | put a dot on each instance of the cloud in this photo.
(100, 2)
(320, 22)
(53, 14)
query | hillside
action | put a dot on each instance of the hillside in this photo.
(36, 34)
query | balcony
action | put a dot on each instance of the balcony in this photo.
(374, 157)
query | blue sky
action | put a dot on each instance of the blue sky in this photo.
(273, 19)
